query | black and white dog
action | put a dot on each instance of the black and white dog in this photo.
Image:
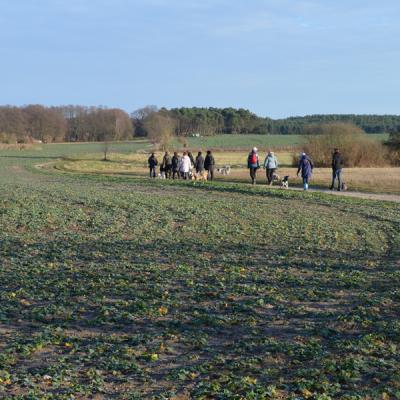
(285, 182)
(226, 170)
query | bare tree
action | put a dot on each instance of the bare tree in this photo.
(160, 129)
(144, 112)
(106, 149)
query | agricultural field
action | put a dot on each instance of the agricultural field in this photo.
(122, 287)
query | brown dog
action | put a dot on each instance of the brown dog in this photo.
(200, 176)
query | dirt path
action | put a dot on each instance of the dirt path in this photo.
(361, 195)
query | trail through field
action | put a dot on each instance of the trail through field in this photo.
(359, 195)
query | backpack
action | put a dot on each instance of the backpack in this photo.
(253, 158)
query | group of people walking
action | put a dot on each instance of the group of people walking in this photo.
(177, 167)
(305, 167)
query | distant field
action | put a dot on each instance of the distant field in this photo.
(248, 141)
(220, 142)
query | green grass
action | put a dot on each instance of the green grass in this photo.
(248, 141)
(115, 288)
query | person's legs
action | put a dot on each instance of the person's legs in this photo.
(339, 178)
(305, 182)
(211, 174)
(333, 179)
(271, 175)
(252, 175)
(267, 174)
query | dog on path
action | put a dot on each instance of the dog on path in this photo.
(225, 170)
(285, 182)
(200, 176)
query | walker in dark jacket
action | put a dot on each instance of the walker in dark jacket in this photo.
(167, 165)
(199, 163)
(209, 164)
(306, 167)
(190, 155)
(337, 165)
(152, 165)
(175, 165)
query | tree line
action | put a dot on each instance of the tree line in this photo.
(240, 121)
(80, 123)
(63, 124)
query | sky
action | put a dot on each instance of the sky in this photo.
(277, 58)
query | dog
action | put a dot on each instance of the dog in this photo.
(275, 178)
(226, 170)
(161, 175)
(200, 176)
(285, 182)
(343, 187)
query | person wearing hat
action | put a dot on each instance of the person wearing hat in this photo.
(306, 167)
(270, 165)
(253, 164)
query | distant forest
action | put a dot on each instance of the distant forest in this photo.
(79, 123)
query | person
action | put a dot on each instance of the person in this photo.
(175, 165)
(167, 165)
(190, 155)
(337, 166)
(185, 166)
(152, 165)
(199, 163)
(306, 167)
(253, 164)
(209, 165)
(270, 165)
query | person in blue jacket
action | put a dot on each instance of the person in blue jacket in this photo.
(306, 167)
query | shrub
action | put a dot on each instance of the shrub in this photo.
(394, 147)
(357, 149)
(7, 138)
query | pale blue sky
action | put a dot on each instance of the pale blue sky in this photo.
(275, 57)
